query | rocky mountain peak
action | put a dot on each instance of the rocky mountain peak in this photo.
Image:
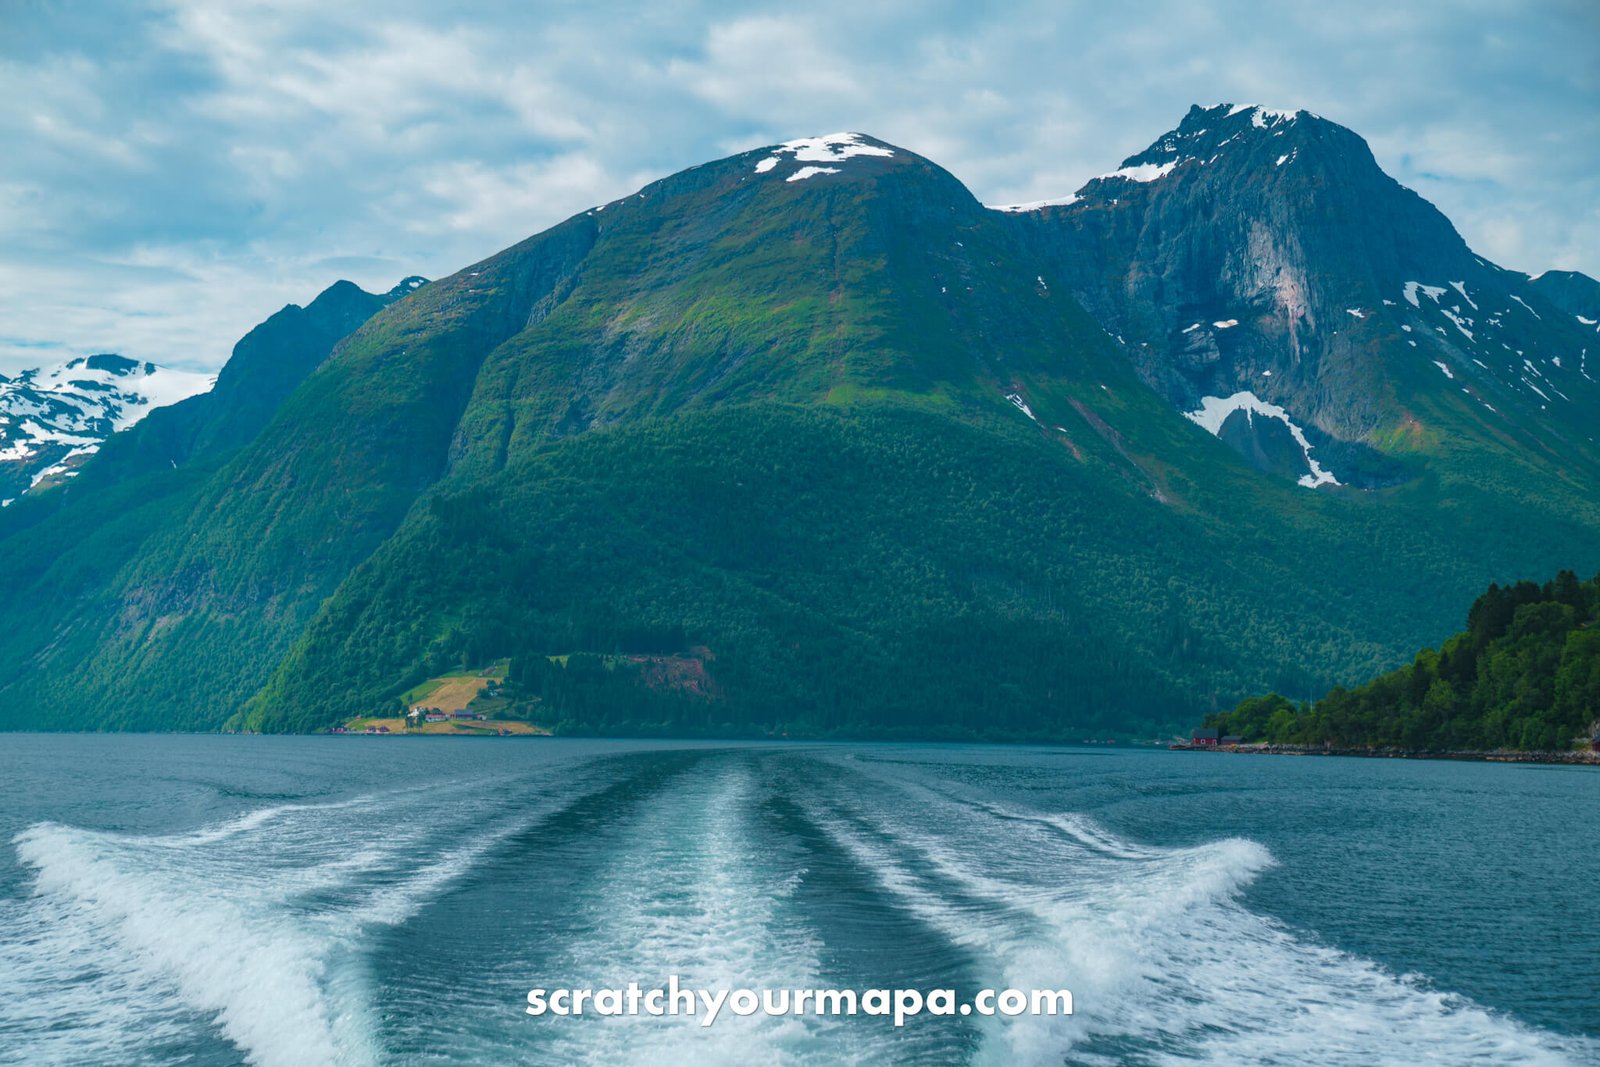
(1226, 133)
(1262, 270)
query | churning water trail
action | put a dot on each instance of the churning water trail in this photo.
(405, 926)
(1165, 962)
(256, 924)
(698, 886)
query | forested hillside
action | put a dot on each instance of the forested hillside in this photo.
(1524, 675)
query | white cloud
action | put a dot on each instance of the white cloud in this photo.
(176, 172)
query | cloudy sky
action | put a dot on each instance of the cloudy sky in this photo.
(173, 171)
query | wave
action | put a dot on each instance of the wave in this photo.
(255, 923)
(1166, 963)
(697, 886)
(747, 869)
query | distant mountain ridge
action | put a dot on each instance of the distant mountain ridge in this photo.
(882, 460)
(136, 416)
(53, 418)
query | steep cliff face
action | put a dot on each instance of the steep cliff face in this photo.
(1262, 257)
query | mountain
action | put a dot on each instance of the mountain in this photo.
(134, 418)
(1577, 294)
(52, 419)
(1268, 279)
(807, 440)
(65, 544)
(266, 366)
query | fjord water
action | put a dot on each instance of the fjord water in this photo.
(301, 901)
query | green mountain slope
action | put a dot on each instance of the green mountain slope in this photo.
(812, 427)
(67, 552)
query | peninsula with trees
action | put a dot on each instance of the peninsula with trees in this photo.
(1523, 677)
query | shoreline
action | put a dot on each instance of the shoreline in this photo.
(1570, 757)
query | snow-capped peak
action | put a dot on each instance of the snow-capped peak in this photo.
(1205, 136)
(832, 148)
(1261, 117)
(52, 418)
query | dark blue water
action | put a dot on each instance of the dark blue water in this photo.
(303, 901)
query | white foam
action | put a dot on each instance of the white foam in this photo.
(259, 975)
(254, 922)
(1155, 943)
(694, 888)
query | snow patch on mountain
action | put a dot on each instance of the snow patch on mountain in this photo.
(1262, 117)
(830, 148)
(1460, 323)
(1524, 303)
(1035, 205)
(1215, 410)
(1021, 405)
(1432, 292)
(806, 172)
(1142, 172)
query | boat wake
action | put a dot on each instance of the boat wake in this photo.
(256, 924)
(303, 934)
(1166, 963)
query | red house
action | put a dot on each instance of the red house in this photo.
(1204, 739)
